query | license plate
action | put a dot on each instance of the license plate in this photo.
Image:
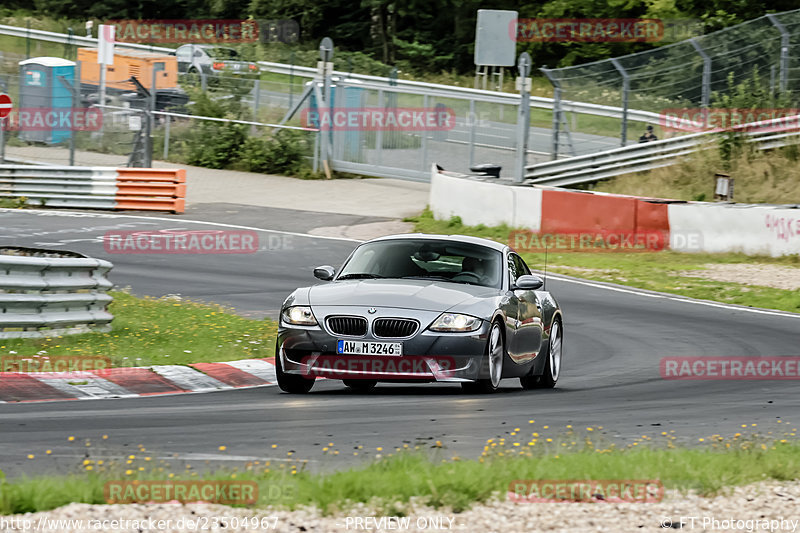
(369, 348)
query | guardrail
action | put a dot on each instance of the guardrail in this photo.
(96, 187)
(311, 72)
(46, 293)
(63, 38)
(650, 155)
(454, 91)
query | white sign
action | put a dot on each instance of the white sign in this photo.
(495, 41)
(105, 48)
(135, 122)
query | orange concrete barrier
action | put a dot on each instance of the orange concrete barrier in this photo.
(151, 189)
(571, 213)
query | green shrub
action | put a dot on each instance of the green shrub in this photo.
(280, 154)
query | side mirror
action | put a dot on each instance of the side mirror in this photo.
(324, 272)
(528, 282)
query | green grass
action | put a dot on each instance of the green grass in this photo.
(433, 475)
(657, 271)
(148, 331)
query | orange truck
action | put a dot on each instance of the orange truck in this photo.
(130, 63)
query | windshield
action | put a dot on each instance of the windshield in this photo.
(223, 53)
(451, 261)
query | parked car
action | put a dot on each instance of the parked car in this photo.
(212, 60)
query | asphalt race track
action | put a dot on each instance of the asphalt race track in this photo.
(614, 340)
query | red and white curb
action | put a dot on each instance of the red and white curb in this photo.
(136, 381)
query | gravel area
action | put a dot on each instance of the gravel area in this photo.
(749, 508)
(776, 276)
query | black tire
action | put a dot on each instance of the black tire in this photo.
(495, 356)
(549, 377)
(291, 383)
(360, 385)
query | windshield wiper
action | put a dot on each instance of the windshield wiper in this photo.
(359, 275)
(439, 278)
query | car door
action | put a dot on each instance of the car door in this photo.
(529, 316)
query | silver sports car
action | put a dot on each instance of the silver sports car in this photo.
(422, 308)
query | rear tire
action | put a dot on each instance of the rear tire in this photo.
(360, 385)
(552, 362)
(495, 355)
(291, 383)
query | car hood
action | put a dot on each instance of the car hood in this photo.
(405, 294)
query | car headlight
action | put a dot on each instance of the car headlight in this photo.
(454, 322)
(299, 315)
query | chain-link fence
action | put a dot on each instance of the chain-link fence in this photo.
(687, 74)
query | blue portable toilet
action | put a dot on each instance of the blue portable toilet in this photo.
(40, 88)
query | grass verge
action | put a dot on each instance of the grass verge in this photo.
(658, 271)
(148, 331)
(388, 483)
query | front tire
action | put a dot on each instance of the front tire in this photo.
(552, 362)
(291, 383)
(496, 353)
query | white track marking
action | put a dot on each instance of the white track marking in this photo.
(670, 297)
(188, 378)
(173, 220)
(94, 387)
(260, 369)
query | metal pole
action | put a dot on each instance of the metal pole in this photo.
(2, 140)
(704, 98)
(379, 133)
(473, 120)
(626, 87)
(291, 78)
(76, 102)
(425, 100)
(256, 98)
(556, 111)
(523, 116)
(784, 59)
(166, 137)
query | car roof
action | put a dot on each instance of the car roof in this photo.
(455, 238)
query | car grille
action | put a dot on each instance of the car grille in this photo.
(354, 326)
(394, 327)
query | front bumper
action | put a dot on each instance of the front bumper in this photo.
(427, 356)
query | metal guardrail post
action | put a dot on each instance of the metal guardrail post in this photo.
(473, 119)
(556, 111)
(523, 116)
(706, 80)
(784, 60)
(626, 88)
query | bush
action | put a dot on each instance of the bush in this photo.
(280, 154)
(216, 144)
